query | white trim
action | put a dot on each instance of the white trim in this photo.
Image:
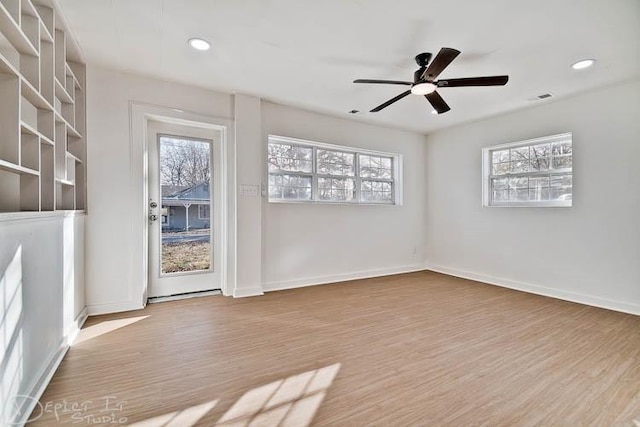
(157, 300)
(72, 332)
(139, 114)
(532, 141)
(579, 298)
(36, 391)
(113, 307)
(254, 291)
(19, 216)
(336, 278)
(49, 368)
(487, 175)
(396, 179)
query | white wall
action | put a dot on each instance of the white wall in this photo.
(41, 300)
(276, 244)
(318, 243)
(248, 127)
(114, 269)
(588, 253)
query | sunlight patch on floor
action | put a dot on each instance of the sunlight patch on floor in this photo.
(184, 418)
(293, 401)
(102, 328)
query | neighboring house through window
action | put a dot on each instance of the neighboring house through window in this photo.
(203, 211)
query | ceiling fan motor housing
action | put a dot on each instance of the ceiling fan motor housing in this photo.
(422, 59)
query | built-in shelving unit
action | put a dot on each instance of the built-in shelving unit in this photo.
(42, 110)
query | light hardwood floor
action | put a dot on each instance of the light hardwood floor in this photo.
(419, 349)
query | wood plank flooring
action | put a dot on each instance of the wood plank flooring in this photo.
(420, 349)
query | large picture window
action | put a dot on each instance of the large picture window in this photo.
(305, 171)
(536, 172)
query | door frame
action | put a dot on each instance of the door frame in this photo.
(141, 114)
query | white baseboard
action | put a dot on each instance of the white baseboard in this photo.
(35, 392)
(73, 330)
(115, 307)
(600, 302)
(253, 291)
(323, 280)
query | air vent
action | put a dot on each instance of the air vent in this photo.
(354, 111)
(542, 96)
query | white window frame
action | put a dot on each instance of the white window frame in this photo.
(487, 168)
(200, 216)
(396, 172)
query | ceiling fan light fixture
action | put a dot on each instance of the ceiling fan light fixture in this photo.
(582, 64)
(199, 44)
(423, 88)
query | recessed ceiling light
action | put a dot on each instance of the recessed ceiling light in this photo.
(585, 63)
(199, 44)
(434, 112)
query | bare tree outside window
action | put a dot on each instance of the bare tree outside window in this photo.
(185, 175)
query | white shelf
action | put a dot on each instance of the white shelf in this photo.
(71, 156)
(32, 95)
(70, 72)
(21, 170)
(11, 30)
(29, 129)
(42, 107)
(62, 93)
(72, 132)
(45, 35)
(6, 67)
(65, 182)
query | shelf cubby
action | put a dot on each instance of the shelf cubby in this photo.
(30, 23)
(11, 8)
(30, 148)
(47, 178)
(42, 110)
(47, 88)
(29, 192)
(61, 151)
(9, 118)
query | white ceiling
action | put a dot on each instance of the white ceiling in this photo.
(306, 53)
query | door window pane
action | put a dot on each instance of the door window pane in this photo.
(185, 177)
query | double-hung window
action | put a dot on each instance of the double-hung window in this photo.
(536, 172)
(314, 172)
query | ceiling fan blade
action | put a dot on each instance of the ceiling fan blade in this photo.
(439, 63)
(474, 81)
(437, 102)
(388, 82)
(391, 101)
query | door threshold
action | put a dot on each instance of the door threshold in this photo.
(175, 297)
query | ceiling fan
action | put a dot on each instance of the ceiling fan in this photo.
(425, 83)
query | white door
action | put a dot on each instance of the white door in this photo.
(185, 209)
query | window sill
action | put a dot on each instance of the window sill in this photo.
(319, 202)
(554, 204)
